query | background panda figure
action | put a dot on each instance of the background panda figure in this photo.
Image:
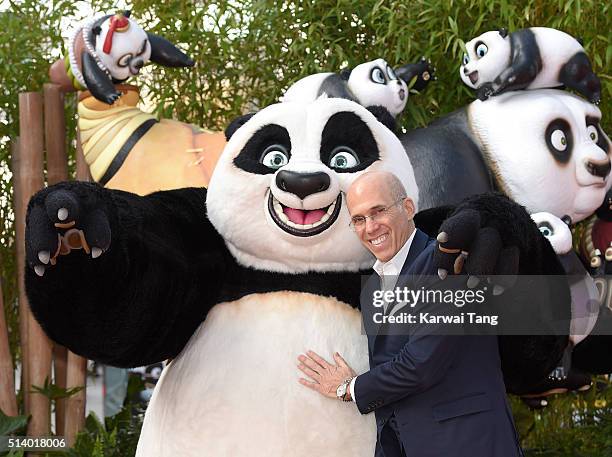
(545, 149)
(109, 50)
(372, 83)
(532, 58)
(232, 282)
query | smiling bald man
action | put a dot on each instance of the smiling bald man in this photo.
(433, 395)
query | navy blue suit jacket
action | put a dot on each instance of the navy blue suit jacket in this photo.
(445, 393)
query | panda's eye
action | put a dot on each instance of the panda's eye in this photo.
(466, 59)
(546, 229)
(143, 48)
(593, 133)
(275, 156)
(124, 60)
(391, 73)
(378, 76)
(481, 49)
(343, 157)
(559, 140)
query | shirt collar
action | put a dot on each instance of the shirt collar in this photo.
(395, 264)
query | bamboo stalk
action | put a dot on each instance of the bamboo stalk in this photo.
(77, 366)
(8, 400)
(30, 175)
(57, 171)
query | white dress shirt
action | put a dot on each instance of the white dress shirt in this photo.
(389, 272)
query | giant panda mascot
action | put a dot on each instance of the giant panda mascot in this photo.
(234, 281)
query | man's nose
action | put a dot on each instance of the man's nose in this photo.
(371, 224)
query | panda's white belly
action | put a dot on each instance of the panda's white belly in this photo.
(234, 391)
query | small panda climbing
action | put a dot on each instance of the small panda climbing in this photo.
(532, 58)
(108, 50)
(373, 83)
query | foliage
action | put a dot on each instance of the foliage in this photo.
(248, 51)
(116, 436)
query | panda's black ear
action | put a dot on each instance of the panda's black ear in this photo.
(503, 32)
(96, 30)
(165, 53)
(345, 74)
(236, 124)
(384, 116)
(127, 13)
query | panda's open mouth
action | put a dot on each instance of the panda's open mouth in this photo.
(301, 222)
(473, 77)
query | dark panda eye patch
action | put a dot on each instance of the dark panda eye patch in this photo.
(559, 140)
(594, 130)
(262, 153)
(345, 131)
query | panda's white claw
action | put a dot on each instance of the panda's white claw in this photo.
(442, 273)
(44, 256)
(498, 290)
(442, 237)
(95, 252)
(62, 214)
(472, 282)
(40, 270)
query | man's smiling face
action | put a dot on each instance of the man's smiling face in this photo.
(386, 233)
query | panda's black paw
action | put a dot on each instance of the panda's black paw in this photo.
(63, 218)
(465, 246)
(485, 91)
(112, 98)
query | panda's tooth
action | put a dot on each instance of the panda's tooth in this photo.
(316, 224)
(291, 224)
(307, 226)
(283, 217)
(330, 210)
(325, 218)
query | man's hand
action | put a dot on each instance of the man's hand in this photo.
(325, 377)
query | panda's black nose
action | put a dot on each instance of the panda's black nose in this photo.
(138, 64)
(599, 169)
(465, 71)
(302, 184)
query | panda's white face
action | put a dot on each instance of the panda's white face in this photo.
(487, 56)
(277, 194)
(555, 230)
(129, 52)
(375, 83)
(547, 150)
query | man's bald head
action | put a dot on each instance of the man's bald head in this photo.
(381, 212)
(386, 181)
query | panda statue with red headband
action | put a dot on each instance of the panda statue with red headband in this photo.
(107, 51)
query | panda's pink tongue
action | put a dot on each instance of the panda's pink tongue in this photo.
(303, 217)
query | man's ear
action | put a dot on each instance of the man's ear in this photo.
(384, 116)
(165, 53)
(236, 124)
(409, 206)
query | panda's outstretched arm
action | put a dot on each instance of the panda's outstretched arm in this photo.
(525, 64)
(145, 274)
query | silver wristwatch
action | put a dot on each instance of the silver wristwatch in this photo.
(342, 388)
